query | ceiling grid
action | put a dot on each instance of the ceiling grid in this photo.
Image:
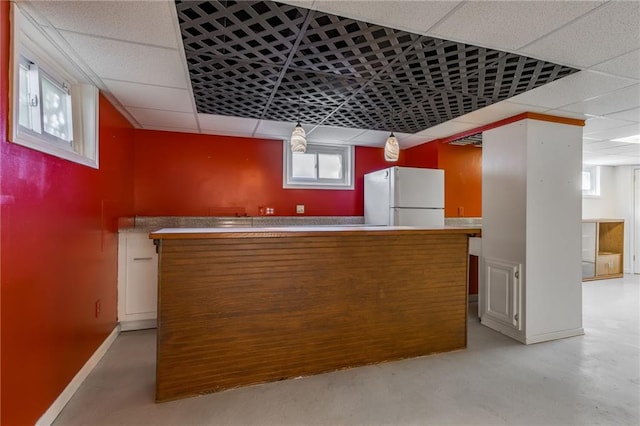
(257, 59)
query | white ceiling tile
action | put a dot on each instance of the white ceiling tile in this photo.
(627, 65)
(277, 129)
(159, 118)
(623, 149)
(597, 124)
(576, 87)
(147, 96)
(597, 146)
(605, 160)
(619, 132)
(330, 134)
(173, 129)
(566, 114)
(414, 140)
(375, 138)
(498, 111)
(144, 64)
(413, 16)
(149, 22)
(450, 128)
(616, 101)
(235, 125)
(632, 114)
(508, 25)
(607, 32)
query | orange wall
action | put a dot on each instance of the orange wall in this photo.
(180, 174)
(58, 257)
(462, 180)
(462, 167)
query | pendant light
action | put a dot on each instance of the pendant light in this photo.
(298, 137)
(391, 147)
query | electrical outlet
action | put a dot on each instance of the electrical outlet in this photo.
(270, 210)
(300, 208)
(98, 308)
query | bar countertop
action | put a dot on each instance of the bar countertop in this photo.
(300, 231)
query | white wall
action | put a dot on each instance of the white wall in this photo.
(616, 201)
(531, 204)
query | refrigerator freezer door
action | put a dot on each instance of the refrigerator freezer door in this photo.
(417, 217)
(376, 197)
(414, 187)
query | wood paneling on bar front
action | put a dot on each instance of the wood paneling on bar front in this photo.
(240, 311)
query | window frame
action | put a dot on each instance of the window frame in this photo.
(30, 44)
(348, 166)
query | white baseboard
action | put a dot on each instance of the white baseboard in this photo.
(473, 298)
(138, 324)
(539, 338)
(54, 410)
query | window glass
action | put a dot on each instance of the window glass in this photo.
(586, 181)
(56, 119)
(303, 165)
(329, 166)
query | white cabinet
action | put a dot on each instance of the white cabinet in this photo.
(137, 281)
(502, 295)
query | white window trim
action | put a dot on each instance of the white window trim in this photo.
(30, 41)
(288, 182)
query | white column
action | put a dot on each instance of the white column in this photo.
(531, 285)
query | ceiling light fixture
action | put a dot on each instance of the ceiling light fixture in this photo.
(391, 147)
(298, 137)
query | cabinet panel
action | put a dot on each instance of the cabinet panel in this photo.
(137, 281)
(502, 295)
(608, 264)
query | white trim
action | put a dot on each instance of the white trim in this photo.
(138, 324)
(538, 338)
(55, 409)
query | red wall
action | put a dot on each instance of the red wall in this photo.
(58, 257)
(462, 167)
(180, 174)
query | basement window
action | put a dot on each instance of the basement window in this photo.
(320, 167)
(55, 108)
(591, 181)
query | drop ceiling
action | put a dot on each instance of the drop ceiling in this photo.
(134, 52)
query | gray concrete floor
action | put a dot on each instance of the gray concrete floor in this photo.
(590, 379)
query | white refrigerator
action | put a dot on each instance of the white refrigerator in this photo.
(404, 196)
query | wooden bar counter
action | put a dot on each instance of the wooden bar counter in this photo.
(240, 306)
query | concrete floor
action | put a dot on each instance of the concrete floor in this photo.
(590, 379)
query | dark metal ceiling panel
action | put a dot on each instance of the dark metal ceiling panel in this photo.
(333, 44)
(263, 59)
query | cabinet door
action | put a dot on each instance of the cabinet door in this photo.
(608, 264)
(138, 294)
(502, 292)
